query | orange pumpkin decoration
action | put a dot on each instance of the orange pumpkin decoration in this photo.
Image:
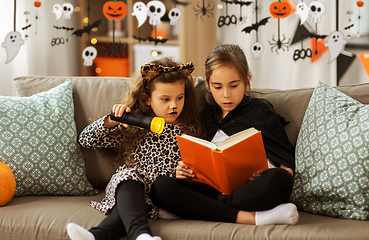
(160, 33)
(115, 10)
(280, 9)
(7, 184)
(360, 3)
(37, 4)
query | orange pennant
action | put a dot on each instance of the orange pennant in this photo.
(317, 48)
(364, 58)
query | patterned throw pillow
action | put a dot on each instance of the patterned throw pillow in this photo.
(332, 156)
(38, 141)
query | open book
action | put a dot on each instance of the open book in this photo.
(229, 165)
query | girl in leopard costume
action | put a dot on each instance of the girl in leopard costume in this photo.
(162, 88)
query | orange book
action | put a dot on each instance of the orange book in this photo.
(229, 165)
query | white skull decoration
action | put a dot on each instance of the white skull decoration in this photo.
(174, 15)
(155, 10)
(316, 11)
(67, 10)
(89, 54)
(256, 49)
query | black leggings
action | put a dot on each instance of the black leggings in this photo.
(194, 200)
(128, 216)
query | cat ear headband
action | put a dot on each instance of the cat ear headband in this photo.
(150, 71)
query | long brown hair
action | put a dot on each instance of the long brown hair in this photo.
(230, 55)
(137, 97)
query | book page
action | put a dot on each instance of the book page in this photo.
(200, 141)
(235, 138)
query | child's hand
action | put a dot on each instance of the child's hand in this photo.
(118, 110)
(183, 171)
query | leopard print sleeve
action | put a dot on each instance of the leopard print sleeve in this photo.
(96, 135)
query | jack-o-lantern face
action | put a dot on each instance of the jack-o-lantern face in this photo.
(280, 9)
(360, 3)
(37, 4)
(115, 10)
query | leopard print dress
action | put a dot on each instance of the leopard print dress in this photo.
(157, 155)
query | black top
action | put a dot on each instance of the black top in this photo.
(257, 113)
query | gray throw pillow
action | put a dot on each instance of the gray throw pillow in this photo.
(38, 141)
(332, 156)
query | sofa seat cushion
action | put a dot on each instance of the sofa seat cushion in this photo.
(45, 217)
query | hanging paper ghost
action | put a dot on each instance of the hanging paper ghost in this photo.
(316, 11)
(155, 11)
(302, 10)
(140, 11)
(174, 15)
(335, 44)
(12, 44)
(256, 49)
(89, 54)
(58, 11)
(67, 10)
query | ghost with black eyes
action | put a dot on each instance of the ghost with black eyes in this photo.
(155, 11)
(335, 43)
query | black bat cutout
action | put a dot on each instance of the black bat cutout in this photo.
(64, 28)
(26, 27)
(157, 40)
(180, 3)
(241, 3)
(88, 28)
(256, 26)
(139, 38)
(348, 27)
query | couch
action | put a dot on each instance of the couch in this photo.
(45, 217)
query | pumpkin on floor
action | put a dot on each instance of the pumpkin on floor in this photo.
(7, 184)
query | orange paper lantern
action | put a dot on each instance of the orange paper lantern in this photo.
(7, 184)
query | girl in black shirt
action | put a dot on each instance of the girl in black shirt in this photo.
(265, 199)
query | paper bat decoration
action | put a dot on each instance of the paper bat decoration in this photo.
(241, 3)
(180, 3)
(255, 26)
(26, 27)
(348, 27)
(64, 28)
(139, 38)
(88, 28)
(157, 40)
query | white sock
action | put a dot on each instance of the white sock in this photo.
(77, 232)
(282, 214)
(146, 236)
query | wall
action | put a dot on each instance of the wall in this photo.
(36, 56)
(280, 71)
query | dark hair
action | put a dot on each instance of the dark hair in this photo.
(230, 55)
(137, 97)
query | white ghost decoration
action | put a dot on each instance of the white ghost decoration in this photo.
(174, 15)
(316, 11)
(12, 44)
(140, 11)
(302, 10)
(155, 10)
(67, 10)
(335, 43)
(89, 54)
(256, 49)
(58, 10)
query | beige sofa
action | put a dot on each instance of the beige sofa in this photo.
(45, 217)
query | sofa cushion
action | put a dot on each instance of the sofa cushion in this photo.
(38, 142)
(332, 156)
(93, 97)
